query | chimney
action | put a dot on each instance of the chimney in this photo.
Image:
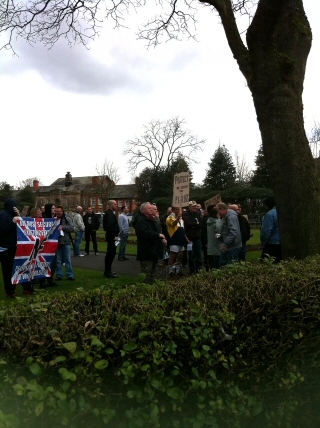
(68, 179)
(35, 185)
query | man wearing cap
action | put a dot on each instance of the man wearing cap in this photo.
(192, 226)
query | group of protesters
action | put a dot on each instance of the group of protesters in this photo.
(209, 238)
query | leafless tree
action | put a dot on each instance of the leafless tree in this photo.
(28, 182)
(161, 144)
(107, 176)
(243, 170)
(314, 140)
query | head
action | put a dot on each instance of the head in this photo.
(146, 208)
(193, 206)
(169, 210)
(42, 208)
(213, 213)
(222, 209)
(270, 202)
(49, 211)
(79, 209)
(36, 212)
(59, 211)
(154, 208)
(124, 210)
(112, 205)
(8, 206)
(176, 210)
(89, 209)
(235, 208)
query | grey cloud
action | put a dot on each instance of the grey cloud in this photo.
(76, 70)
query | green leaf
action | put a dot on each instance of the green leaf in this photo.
(129, 346)
(70, 346)
(294, 301)
(174, 393)
(109, 351)
(39, 409)
(297, 310)
(102, 364)
(96, 342)
(196, 353)
(29, 360)
(256, 409)
(35, 369)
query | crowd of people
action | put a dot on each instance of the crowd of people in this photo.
(194, 237)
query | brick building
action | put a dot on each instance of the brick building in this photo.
(73, 191)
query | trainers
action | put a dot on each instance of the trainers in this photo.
(81, 255)
(96, 254)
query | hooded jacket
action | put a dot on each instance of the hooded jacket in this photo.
(8, 229)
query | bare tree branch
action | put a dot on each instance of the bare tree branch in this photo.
(243, 170)
(107, 178)
(161, 144)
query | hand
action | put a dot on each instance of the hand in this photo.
(223, 248)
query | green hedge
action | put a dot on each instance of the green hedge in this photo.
(237, 347)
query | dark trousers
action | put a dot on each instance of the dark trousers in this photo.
(110, 255)
(195, 256)
(272, 251)
(213, 262)
(7, 260)
(93, 235)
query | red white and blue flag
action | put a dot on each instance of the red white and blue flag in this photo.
(37, 243)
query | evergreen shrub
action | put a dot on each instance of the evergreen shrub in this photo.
(238, 347)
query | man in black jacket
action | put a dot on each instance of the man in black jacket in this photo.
(111, 227)
(92, 224)
(149, 240)
(192, 226)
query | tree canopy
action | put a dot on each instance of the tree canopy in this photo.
(221, 173)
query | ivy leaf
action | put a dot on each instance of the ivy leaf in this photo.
(39, 409)
(35, 369)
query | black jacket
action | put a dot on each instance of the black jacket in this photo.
(148, 238)
(192, 224)
(91, 221)
(8, 229)
(110, 225)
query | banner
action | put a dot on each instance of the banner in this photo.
(181, 183)
(212, 201)
(37, 243)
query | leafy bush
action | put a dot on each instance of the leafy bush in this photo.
(236, 347)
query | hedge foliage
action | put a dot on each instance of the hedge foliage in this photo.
(238, 347)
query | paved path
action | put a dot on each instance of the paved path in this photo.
(129, 267)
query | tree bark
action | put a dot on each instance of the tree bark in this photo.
(278, 43)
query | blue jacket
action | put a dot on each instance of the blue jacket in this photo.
(270, 233)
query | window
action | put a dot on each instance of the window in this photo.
(93, 201)
(127, 204)
(85, 202)
(119, 203)
(100, 201)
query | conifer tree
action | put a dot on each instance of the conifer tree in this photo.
(221, 173)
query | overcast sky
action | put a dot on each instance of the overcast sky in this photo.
(69, 109)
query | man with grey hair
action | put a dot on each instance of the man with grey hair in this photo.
(230, 234)
(79, 228)
(111, 227)
(148, 242)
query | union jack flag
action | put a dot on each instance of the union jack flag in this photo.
(37, 243)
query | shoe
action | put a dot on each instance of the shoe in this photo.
(122, 259)
(86, 254)
(11, 296)
(125, 258)
(110, 275)
(58, 278)
(71, 279)
(96, 254)
(81, 255)
(28, 292)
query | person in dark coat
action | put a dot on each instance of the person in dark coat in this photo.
(92, 224)
(149, 239)
(111, 227)
(8, 243)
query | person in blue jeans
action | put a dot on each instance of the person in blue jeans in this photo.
(64, 242)
(123, 234)
(78, 225)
